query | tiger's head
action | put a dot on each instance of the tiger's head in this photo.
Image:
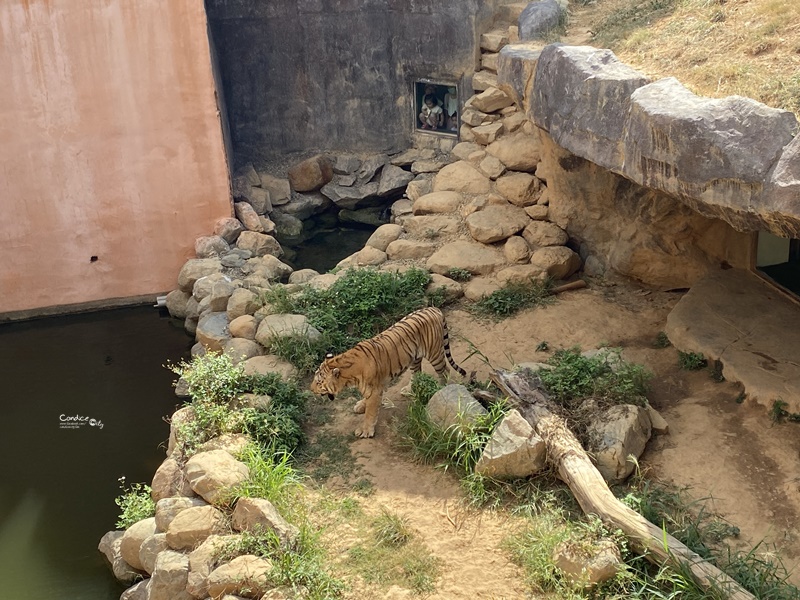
(327, 379)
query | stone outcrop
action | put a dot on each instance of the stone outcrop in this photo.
(252, 514)
(454, 406)
(132, 539)
(586, 565)
(110, 547)
(540, 19)
(310, 174)
(211, 474)
(620, 432)
(653, 133)
(192, 526)
(514, 450)
(276, 326)
(246, 576)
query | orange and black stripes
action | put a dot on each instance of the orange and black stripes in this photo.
(373, 362)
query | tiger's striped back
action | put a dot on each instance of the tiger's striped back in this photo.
(374, 362)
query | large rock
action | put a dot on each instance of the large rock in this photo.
(212, 474)
(170, 575)
(367, 216)
(303, 206)
(491, 100)
(259, 244)
(169, 508)
(558, 261)
(110, 547)
(393, 180)
(288, 229)
(177, 301)
(476, 258)
(169, 479)
(437, 202)
(257, 198)
(132, 539)
(521, 189)
(240, 349)
(203, 560)
(194, 269)
(544, 233)
(248, 216)
(620, 432)
(486, 134)
(781, 213)
(540, 19)
(581, 96)
(311, 174)
(279, 189)
(409, 250)
(430, 226)
(232, 443)
(140, 591)
(150, 549)
(269, 267)
(243, 326)
(419, 186)
(353, 197)
(586, 565)
(228, 229)
(246, 576)
(461, 177)
(205, 285)
(516, 67)
(242, 302)
(212, 331)
(263, 365)
(514, 450)
(454, 406)
(366, 257)
(496, 223)
(209, 246)
(520, 274)
(252, 514)
(192, 526)
(518, 151)
(516, 250)
(384, 235)
(283, 325)
(741, 139)
(450, 289)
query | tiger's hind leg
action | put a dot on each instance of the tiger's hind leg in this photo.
(415, 368)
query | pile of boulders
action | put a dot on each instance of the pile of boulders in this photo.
(192, 547)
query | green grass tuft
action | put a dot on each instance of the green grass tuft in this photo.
(514, 298)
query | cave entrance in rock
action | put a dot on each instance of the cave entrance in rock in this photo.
(778, 259)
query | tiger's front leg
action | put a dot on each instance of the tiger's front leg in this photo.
(372, 404)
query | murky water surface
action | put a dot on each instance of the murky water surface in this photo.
(82, 401)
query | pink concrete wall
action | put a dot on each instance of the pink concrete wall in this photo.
(110, 146)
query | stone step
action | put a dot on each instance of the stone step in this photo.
(489, 61)
(483, 80)
(492, 41)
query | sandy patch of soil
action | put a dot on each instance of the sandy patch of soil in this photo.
(720, 449)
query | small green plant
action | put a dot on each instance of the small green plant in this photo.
(360, 304)
(271, 477)
(542, 346)
(691, 361)
(716, 371)
(212, 377)
(761, 572)
(458, 274)
(391, 529)
(662, 341)
(135, 502)
(515, 297)
(778, 412)
(605, 377)
(741, 397)
(305, 354)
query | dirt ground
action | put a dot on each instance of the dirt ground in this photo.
(730, 453)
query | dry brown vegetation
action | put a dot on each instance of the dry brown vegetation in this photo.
(714, 47)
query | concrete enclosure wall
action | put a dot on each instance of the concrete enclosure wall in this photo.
(112, 148)
(337, 74)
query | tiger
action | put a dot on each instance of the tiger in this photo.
(371, 364)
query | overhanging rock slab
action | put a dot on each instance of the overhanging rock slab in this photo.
(749, 326)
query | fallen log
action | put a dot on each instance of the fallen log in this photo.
(568, 287)
(574, 467)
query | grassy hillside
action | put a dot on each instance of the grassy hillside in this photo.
(714, 47)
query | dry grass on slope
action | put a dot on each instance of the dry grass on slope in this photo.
(714, 47)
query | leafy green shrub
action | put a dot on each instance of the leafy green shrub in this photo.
(359, 305)
(212, 377)
(215, 382)
(515, 297)
(691, 361)
(135, 502)
(778, 412)
(604, 376)
(457, 274)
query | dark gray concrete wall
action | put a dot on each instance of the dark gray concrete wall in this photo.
(336, 74)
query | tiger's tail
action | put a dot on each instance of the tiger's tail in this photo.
(449, 356)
